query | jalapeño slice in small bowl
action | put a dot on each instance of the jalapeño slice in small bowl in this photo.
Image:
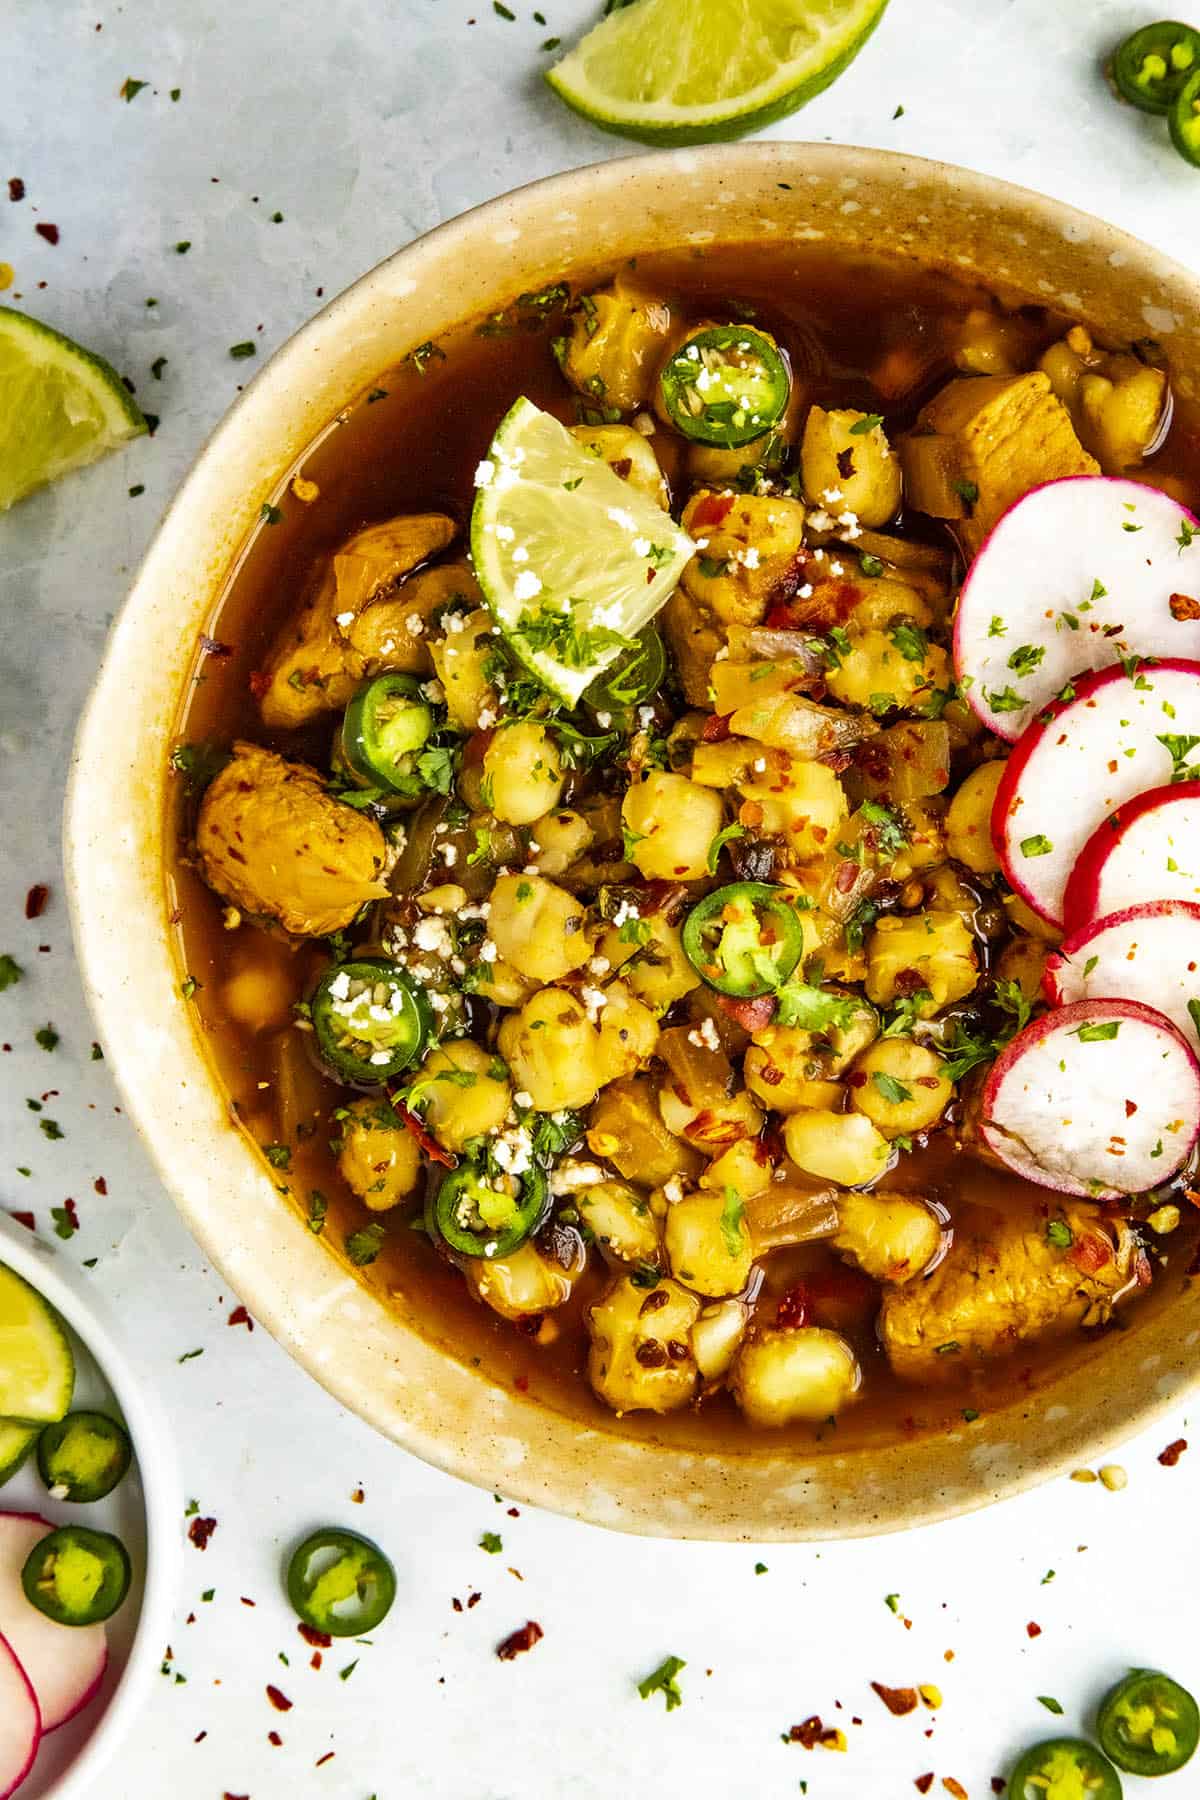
(386, 724)
(77, 1576)
(1148, 1724)
(744, 939)
(1064, 1768)
(480, 1216)
(1153, 64)
(1184, 120)
(635, 677)
(725, 385)
(83, 1457)
(370, 1021)
(340, 1583)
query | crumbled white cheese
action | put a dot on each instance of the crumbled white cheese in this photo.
(598, 965)
(820, 520)
(626, 910)
(487, 718)
(594, 1001)
(343, 619)
(433, 934)
(523, 1100)
(455, 622)
(836, 568)
(645, 425)
(705, 1036)
(569, 1177)
(487, 951)
(604, 720)
(484, 473)
(513, 1149)
(832, 495)
(526, 585)
(449, 855)
(673, 1191)
(414, 624)
(620, 516)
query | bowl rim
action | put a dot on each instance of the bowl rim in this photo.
(46, 1270)
(483, 1454)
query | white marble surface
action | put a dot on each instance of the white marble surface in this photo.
(364, 123)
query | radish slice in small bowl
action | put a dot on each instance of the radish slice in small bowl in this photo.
(20, 1723)
(1148, 953)
(1148, 849)
(1077, 574)
(1119, 732)
(64, 1663)
(1097, 1099)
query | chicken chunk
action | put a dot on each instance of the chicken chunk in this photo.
(752, 553)
(695, 635)
(1005, 1281)
(982, 443)
(392, 633)
(308, 671)
(272, 840)
(618, 339)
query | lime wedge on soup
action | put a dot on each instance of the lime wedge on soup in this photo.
(572, 560)
(61, 407)
(691, 71)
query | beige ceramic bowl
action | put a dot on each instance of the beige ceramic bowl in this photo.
(449, 1414)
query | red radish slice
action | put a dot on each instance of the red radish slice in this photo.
(1124, 730)
(20, 1723)
(65, 1663)
(1076, 575)
(1148, 953)
(1148, 849)
(1097, 1099)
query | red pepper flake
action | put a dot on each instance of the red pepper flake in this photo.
(923, 1783)
(517, 1642)
(16, 188)
(1184, 607)
(278, 1700)
(358, 1496)
(259, 681)
(246, 1602)
(1033, 1629)
(200, 1530)
(26, 1219)
(514, 1512)
(273, 1737)
(321, 1640)
(316, 1660)
(1171, 1455)
(228, 1796)
(239, 1316)
(813, 1732)
(954, 1787)
(716, 728)
(1090, 1253)
(49, 232)
(100, 1185)
(751, 1015)
(199, 1737)
(35, 900)
(456, 1603)
(898, 1701)
(998, 1784)
(521, 1383)
(710, 509)
(426, 1141)
(792, 1311)
(473, 1600)
(328, 1757)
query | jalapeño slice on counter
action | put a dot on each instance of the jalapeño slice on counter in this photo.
(77, 1576)
(743, 939)
(1064, 1768)
(636, 675)
(370, 1021)
(340, 1583)
(1153, 64)
(725, 385)
(385, 725)
(1184, 120)
(480, 1217)
(83, 1456)
(1148, 1724)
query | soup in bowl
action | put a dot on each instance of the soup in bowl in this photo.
(614, 1007)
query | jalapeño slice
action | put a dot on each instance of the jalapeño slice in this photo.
(340, 1583)
(386, 724)
(636, 675)
(725, 385)
(83, 1456)
(1148, 1724)
(1153, 64)
(479, 1216)
(370, 1021)
(1184, 119)
(77, 1576)
(743, 939)
(1064, 1769)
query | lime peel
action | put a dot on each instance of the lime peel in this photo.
(666, 73)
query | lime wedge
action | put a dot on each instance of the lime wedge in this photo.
(37, 1370)
(60, 406)
(691, 71)
(572, 560)
(16, 1441)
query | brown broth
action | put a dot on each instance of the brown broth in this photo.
(415, 448)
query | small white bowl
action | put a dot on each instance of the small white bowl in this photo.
(144, 1511)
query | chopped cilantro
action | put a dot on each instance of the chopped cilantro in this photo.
(270, 513)
(278, 1155)
(239, 352)
(363, 1245)
(1038, 845)
(1002, 700)
(997, 628)
(47, 1038)
(890, 835)
(909, 640)
(318, 1206)
(491, 1542)
(722, 838)
(10, 971)
(892, 1602)
(51, 1129)
(1025, 659)
(967, 491)
(1050, 1703)
(1101, 1033)
(130, 89)
(810, 1008)
(868, 422)
(1059, 1234)
(733, 1219)
(663, 1681)
(1187, 535)
(893, 1091)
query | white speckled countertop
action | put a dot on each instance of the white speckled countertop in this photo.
(363, 124)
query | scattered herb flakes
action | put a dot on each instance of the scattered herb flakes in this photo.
(130, 89)
(502, 11)
(66, 1219)
(347, 1672)
(364, 1245)
(208, 1595)
(1047, 1578)
(10, 971)
(1059, 1234)
(183, 246)
(491, 1542)
(899, 113)
(189, 987)
(423, 355)
(240, 351)
(318, 1206)
(1038, 845)
(375, 394)
(47, 1038)
(663, 1681)
(138, 488)
(278, 1155)
(519, 1641)
(1051, 1704)
(760, 1568)
(51, 1128)
(893, 1091)
(271, 514)
(97, 1053)
(892, 1602)
(969, 1415)
(277, 218)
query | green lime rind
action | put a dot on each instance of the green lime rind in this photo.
(61, 406)
(557, 539)
(37, 1369)
(16, 1441)
(791, 84)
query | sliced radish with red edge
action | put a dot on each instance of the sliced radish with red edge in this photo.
(1077, 574)
(1148, 953)
(65, 1663)
(1118, 732)
(1148, 849)
(1098, 1099)
(20, 1723)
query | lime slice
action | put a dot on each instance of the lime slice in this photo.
(572, 560)
(691, 71)
(16, 1441)
(37, 1370)
(60, 406)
